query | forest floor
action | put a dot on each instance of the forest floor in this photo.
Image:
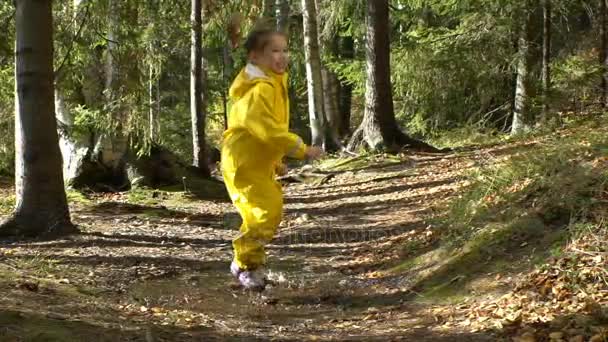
(358, 257)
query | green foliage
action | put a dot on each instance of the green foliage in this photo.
(576, 79)
(7, 87)
(452, 66)
(6, 120)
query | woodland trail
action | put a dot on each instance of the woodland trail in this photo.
(154, 266)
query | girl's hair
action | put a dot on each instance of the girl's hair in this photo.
(259, 38)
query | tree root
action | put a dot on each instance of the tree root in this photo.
(400, 141)
(404, 142)
(22, 228)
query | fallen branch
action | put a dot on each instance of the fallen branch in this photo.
(574, 249)
(307, 177)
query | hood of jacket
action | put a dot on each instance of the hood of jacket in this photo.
(250, 76)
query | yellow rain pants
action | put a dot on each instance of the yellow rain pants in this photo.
(254, 144)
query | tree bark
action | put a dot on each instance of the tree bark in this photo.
(379, 126)
(523, 116)
(328, 48)
(347, 51)
(152, 99)
(41, 206)
(332, 106)
(227, 70)
(313, 74)
(197, 90)
(603, 53)
(546, 72)
(379, 122)
(75, 147)
(283, 16)
(269, 9)
(111, 147)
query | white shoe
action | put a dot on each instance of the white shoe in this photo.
(235, 269)
(254, 280)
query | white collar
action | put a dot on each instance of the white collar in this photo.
(253, 72)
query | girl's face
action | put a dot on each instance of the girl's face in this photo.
(274, 56)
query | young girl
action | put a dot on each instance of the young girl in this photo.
(254, 144)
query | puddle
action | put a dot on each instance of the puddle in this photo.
(298, 296)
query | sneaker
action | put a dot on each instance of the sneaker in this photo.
(235, 270)
(254, 280)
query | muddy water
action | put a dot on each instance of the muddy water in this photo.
(298, 298)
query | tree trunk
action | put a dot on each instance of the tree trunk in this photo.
(379, 126)
(75, 147)
(283, 16)
(347, 51)
(158, 104)
(197, 90)
(328, 48)
(269, 9)
(41, 208)
(604, 51)
(152, 98)
(331, 86)
(379, 123)
(546, 72)
(523, 116)
(111, 147)
(227, 70)
(313, 74)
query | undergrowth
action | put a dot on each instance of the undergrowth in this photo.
(562, 179)
(468, 136)
(7, 204)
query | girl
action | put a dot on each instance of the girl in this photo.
(253, 146)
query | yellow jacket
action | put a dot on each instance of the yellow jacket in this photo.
(258, 122)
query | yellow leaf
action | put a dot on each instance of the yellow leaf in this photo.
(597, 338)
(527, 337)
(598, 259)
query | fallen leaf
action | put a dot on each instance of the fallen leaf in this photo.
(557, 335)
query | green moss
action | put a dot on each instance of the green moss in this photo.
(75, 196)
(143, 196)
(7, 204)
(360, 162)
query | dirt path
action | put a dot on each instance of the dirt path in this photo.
(159, 271)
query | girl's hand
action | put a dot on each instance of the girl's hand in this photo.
(281, 169)
(314, 152)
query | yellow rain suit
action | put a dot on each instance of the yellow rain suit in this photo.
(254, 144)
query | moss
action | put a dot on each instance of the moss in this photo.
(75, 196)
(360, 162)
(7, 204)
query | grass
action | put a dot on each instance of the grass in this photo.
(7, 201)
(360, 162)
(468, 136)
(75, 196)
(517, 211)
(144, 196)
(560, 180)
(7, 204)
